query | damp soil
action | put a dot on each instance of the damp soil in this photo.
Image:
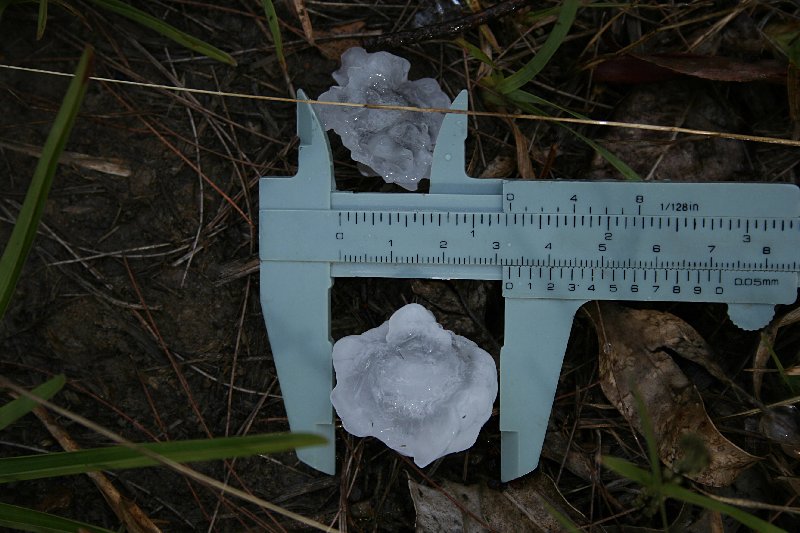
(142, 286)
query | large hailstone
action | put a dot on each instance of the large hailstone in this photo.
(397, 145)
(421, 389)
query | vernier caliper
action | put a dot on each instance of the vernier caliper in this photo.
(554, 245)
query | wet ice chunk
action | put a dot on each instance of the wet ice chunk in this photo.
(397, 145)
(421, 389)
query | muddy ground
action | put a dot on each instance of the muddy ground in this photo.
(142, 286)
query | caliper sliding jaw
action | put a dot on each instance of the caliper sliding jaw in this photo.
(295, 290)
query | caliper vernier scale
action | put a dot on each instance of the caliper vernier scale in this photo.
(554, 245)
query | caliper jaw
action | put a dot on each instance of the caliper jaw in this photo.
(295, 297)
(529, 377)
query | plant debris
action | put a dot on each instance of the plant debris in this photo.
(636, 357)
(142, 285)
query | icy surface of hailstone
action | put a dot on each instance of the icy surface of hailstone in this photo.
(423, 390)
(397, 145)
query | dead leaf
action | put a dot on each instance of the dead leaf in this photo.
(500, 167)
(683, 340)
(488, 45)
(437, 514)
(721, 68)
(332, 43)
(524, 164)
(630, 70)
(305, 21)
(790, 318)
(635, 357)
(652, 68)
(523, 507)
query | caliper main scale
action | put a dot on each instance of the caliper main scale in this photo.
(553, 244)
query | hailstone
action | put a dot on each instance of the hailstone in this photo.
(422, 390)
(397, 145)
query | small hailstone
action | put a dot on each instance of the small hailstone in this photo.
(397, 145)
(423, 390)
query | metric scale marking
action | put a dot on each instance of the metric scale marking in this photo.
(553, 244)
(452, 238)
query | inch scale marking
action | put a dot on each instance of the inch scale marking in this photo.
(553, 245)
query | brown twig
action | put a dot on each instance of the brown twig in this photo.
(128, 512)
(106, 165)
(173, 465)
(445, 29)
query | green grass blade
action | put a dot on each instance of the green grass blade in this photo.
(566, 17)
(520, 96)
(789, 381)
(533, 17)
(274, 29)
(628, 470)
(121, 457)
(785, 37)
(24, 231)
(562, 519)
(652, 453)
(671, 490)
(649, 436)
(170, 32)
(756, 524)
(475, 52)
(21, 406)
(526, 101)
(23, 519)
(42, 22)
(627, 172)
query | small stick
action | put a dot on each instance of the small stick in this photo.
(127, 511)
(445, 29)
